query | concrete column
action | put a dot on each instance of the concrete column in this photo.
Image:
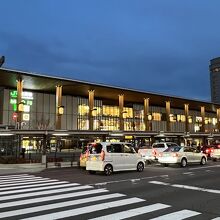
(168, 115)
(186, 110)
(146, 113)
(19, 100)
(91, 108)
(121, 109)
(203, 118)
(58, 104)
(218, 119)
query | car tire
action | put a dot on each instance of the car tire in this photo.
(203, 161)
(183, 162)
(214, 159)
(165, 164)
(108, 170)
(92, 172)
(140, 167)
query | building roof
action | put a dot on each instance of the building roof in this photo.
(43, 83)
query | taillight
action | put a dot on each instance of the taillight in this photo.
(102, 155)
(175, 155)
(207, 150)
(154, 152)
(87, 154)
(212, 150)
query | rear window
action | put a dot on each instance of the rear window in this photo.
(145, 147)
(173, 149)
(158, 146)
(95, 148)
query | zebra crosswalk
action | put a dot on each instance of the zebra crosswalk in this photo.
(30, 197)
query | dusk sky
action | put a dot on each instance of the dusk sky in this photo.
(159, 46)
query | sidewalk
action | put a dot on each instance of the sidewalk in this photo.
(32, 167)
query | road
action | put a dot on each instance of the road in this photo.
(71, 193)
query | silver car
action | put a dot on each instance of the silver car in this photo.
(181, 155)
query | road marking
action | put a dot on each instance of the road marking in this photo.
(159, 183)
(22, 195)
(22, 181)
(84, 210)
(204, 167)
(55, 197)
(126, 180)
(14, 176)
(34, 185)
(187, 187)
(27, 183)
(58, 205)
(37, 188)
(188, 173)
(133, 212)
(178, 215)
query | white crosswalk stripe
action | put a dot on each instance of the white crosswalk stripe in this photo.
(44, 198)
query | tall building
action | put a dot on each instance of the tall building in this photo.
(215, 79)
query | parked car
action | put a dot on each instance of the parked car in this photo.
(84, 154)
(147, 153)
(207, 149)
(182, 155)
(215, 154)
(109, 157)
(162, 146)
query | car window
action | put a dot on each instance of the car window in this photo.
(115, 148)
(172, 145)
(189, 149)
(173, 149)
(158, 146)
(95, 148)
(128, 149)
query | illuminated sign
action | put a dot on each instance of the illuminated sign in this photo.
(27, 99)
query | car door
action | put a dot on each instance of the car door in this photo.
(117, 156)
(130, 157)
(188, 152)
(197, 155)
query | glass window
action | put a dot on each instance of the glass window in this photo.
(128, 149)
(158, 146)
(156, 116)
(83, 109)
(116, 148)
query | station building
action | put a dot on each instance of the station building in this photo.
(38, 110)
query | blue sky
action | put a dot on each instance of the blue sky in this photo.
(160, 46)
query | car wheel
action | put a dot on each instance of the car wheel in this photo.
(92, 171)
(183, 162)
(108, 170)
(214, 159)
(165, 164)
(203, 161)
(140, 167)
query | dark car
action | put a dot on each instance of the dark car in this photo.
(207, 149)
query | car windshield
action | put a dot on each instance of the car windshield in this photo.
(173, 149)
(145, 147)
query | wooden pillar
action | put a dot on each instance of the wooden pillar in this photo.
(186, 110)
(146, 113)
(218, 118)
(203, 118)
(121, 111)
(91, 108)
(58, 104)
(168, 116)
(19, 100)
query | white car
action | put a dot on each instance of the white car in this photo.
(182, 155)
(215, 153)
(147, 153)
(109, 157)
(161, 146)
